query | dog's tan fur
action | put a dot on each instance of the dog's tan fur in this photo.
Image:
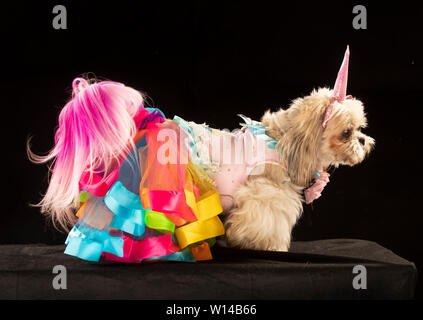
(269, 205)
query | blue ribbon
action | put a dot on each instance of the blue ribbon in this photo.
(88, 244)
(184, 255)
(193, 152)
(127, 207)
(258, 130)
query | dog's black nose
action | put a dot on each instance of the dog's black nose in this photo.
(362, 141)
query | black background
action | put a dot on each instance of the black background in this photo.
(208, 61)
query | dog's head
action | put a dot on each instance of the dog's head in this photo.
(306, 146)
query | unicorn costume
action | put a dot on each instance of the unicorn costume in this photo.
(162, 200)
(147, 209)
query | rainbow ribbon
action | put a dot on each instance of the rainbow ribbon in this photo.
(183, 219)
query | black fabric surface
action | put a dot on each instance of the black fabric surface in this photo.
(311, 270)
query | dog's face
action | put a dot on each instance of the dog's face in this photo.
(307, 147)
(343, 141)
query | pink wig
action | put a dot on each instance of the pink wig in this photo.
(96, 131)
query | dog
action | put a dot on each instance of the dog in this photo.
(316, 132)
(268, 205)
(133, 204)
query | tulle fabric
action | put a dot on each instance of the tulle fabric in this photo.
(155, 205)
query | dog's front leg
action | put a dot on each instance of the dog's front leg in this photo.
(264, 215)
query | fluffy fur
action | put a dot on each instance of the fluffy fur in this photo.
(268, 205)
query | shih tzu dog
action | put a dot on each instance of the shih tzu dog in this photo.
(316, 132)
(133, 204)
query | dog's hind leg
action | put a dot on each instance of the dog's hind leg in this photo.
(264, 215)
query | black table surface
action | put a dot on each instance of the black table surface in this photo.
(320, 269)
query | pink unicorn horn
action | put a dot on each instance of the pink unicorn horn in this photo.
(340, 89)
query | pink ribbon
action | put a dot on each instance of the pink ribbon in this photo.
(98, 185)
(140, 116)
(134, 251)
(171, 203)
(315, 191)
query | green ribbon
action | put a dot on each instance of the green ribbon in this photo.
(157, 220)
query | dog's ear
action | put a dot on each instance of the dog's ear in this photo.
(276, 123)
(299, 131)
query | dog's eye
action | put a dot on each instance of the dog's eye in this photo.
(347, 133)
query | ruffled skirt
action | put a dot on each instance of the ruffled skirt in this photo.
(156, 204)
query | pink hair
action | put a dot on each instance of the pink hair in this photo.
(96, 131)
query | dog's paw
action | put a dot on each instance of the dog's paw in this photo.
(280, 248)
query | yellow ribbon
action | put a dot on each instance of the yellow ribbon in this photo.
(208, 224)
(199, 230)
(207, 206)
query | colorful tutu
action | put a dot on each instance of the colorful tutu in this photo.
(156, 204)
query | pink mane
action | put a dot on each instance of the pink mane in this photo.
(96, 130)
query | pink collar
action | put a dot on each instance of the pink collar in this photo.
(315, 191)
